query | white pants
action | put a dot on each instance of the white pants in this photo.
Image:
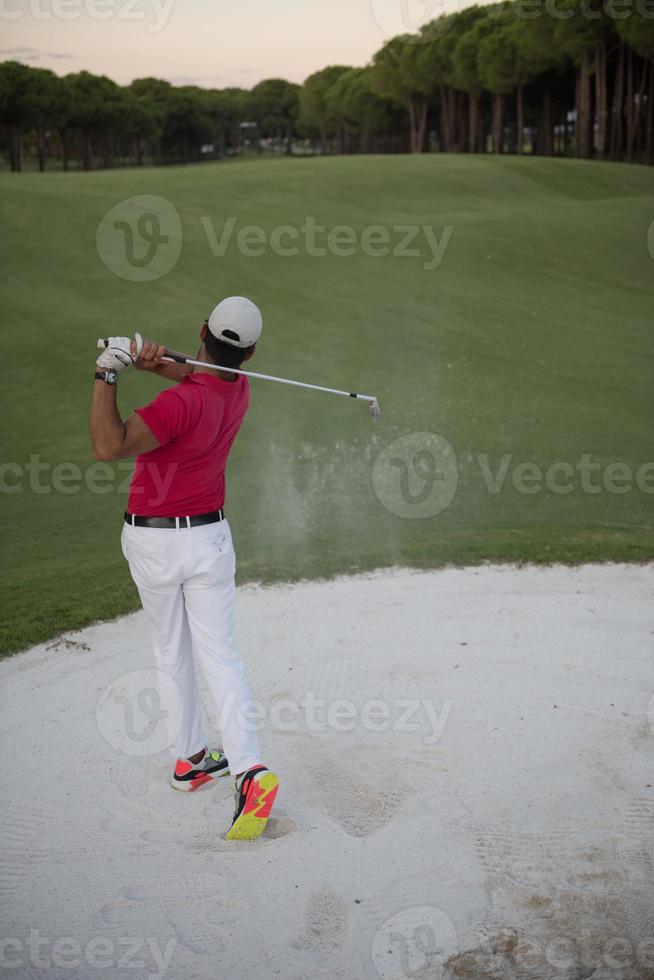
(185, 579)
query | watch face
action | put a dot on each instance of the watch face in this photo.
(111, 377)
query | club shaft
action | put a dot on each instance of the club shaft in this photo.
(182, 359)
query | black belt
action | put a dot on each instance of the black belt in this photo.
(197, 520)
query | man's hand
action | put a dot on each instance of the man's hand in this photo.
(149, 358)
(121, 352)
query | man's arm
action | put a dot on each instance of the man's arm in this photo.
(111, 438)
(150, 360)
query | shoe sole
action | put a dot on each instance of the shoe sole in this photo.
(189, 785)
(252, 821)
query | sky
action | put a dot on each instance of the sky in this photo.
(211, 43)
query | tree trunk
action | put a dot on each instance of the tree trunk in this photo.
(616, 109)
(642, 102)
(418, 124)
(65, 148)
(473, 123)
(446, 124)
(39, 139)
(87, 152)
(108, 152)
(520, 118)
(630, 104)
(422, 126)
(498, 123)
(453, 117)
(637, 109)
(631, 128)
(568, 135)
(544, 141)
(582, 122)
(12, 154)
(649, 145)
(600, 97)
(412, 126)
(15, 149)
(461, 122)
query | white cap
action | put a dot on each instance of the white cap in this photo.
(236, 321)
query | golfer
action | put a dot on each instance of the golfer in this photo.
(178, 543)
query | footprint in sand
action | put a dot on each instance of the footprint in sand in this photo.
(279, 827)
(213, 836)
(326, 920)
(207, 831)
(357, 806)
(197, 911)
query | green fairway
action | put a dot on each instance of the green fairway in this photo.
(531, 342)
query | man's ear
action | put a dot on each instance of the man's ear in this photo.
(203, 330)
(250, 352)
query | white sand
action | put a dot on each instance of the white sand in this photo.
(519, 810)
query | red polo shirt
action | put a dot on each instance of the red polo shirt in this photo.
(195, 423)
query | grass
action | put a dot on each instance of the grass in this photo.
(530, 342)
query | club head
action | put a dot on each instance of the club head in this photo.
(375, 410)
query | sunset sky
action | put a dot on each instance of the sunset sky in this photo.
(212, 43)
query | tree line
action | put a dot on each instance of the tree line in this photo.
(559, 77)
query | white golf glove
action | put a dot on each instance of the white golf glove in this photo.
(118, 353)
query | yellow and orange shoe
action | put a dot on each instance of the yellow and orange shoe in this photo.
(189, 776)
(254, 794)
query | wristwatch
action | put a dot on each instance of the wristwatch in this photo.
(110, 376)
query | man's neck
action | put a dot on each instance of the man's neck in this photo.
(223, 375)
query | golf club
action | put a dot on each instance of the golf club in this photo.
(375, 408)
